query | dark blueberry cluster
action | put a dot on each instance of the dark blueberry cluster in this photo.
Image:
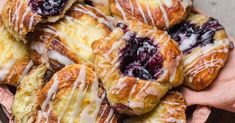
(89, 2)
(47, 7)
(141, 58)
(124, 27)
(204, 34)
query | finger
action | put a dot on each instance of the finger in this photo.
(193, 97)
(2, 3)
(201, 114)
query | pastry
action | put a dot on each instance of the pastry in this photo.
(21, 16)
(74, 95)
(160, 13)
(137, 65)
(170, 110)
(69, 40)
(24, 105)
(102, 5)
(205, 46)
(14, 58)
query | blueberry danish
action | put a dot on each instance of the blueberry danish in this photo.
(137, 65)
(205, 46)
(21, 16)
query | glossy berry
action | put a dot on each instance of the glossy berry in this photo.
(47, 7)
(141, 58)
(203, 34)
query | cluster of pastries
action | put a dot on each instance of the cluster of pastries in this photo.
(107, 61)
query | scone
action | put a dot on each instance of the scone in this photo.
(69, 40)
(170, 110)
(74, 95)
(137, 65)
(14, 58)
(24, 106)
(160, 13)
(205, 46)
(21, 16)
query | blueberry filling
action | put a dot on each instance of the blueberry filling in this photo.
(190, 35)
(123, 27)
(47, 7)
(140, 58)
(89, 2)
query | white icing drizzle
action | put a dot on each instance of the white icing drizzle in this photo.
(164, 13)
(142, 12)
(168, 3)
(110, 115)
(149, 13)
(119, 86)
(27, 68)
(86, 115)
(5, 69)
(174, 68)
(49, 99)
(81, 79)
(207, 50)
(206, 65)
(41, 49)
(114, 47)
(22, 19)
(80, 95)
(17, 16)
(92, 14)
(68, 38)
(120, 9)
(132, 8)
(59, 57)
(31, 20)
(13, 16)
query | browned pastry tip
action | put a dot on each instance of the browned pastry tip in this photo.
(74, 95)
(137, 65)
(205, 46)
(160, 13)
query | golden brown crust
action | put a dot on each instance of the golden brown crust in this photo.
(170, 110)
(159, 13)
(124, 92)
(203, 64)
(74, 94)
(24, 105)
(20, 19)
(14, 58)
(102, 5)
(69, 39)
